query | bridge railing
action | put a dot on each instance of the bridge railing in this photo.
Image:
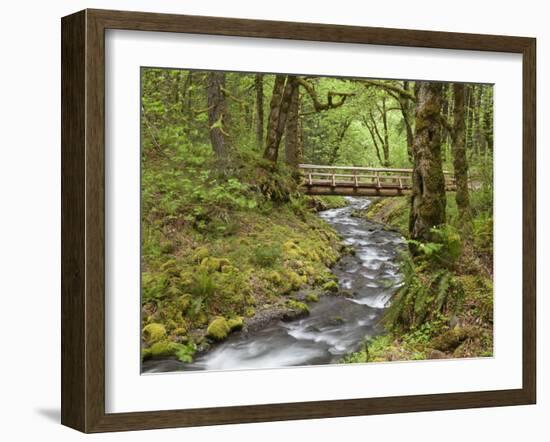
(355, 176)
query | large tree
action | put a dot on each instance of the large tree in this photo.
(259, 86)
(293, 142)
(217, 114)
(428, 193)
(460, 161)
(283, 89)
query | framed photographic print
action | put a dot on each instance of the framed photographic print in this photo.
(268, 220)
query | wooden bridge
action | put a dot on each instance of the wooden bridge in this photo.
(360, 181)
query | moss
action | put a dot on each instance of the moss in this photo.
(249, 312)
(173, 291)
(145, 354)
(236, 323)
(164, 349)
(331, 286)
(218, 329)
(166, 246)
(451, 339)
(186, 278)
(300, 308)
(180, 331)
(200, 254)
(184, 302)
(296, 281)
(274, 277)
(153, 332)
(170, 268)
(312, 297)
(229, 269)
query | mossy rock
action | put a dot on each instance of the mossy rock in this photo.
(164, 349)
(184, 302)
(218, 329)
(200, 254)
(200, 319)
(229, 269)
(331, 286)
(211, 264)
(451, 339)
(297, 310)
(146, 354)
(153, 333)
(235, 324)
(296, 281)
(249, 312)
(274, 277)
(186, 278)
(180, 331)
(312, 297)
(170, 267)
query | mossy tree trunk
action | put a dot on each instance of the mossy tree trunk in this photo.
(259, 86)
(280, 103)
(428, 191)
(460, 161)
(217, 114)
(406, 111)
(293, 147)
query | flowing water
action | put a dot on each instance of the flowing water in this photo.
(336, 325)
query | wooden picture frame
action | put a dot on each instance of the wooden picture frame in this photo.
(83, 220)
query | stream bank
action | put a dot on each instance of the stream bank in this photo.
(336, 325)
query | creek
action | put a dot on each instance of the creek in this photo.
(336, 325)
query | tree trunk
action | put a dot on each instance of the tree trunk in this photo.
(293, 148)
(460, 161)
(405, 105)
(280, 102)
(259, 85)
(386, 144)
(217, 114)
(428, 192)
(488, 118)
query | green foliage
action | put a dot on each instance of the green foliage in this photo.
(267, 255)
(423, 295)
(445, 249)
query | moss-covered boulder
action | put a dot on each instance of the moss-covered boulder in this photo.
(312, 297)
(274, 277)
(227, 269)
(164, 349)
(331, 286)
(218, 329)
(184, 302)
(296, 310)
(170, 268)
(235, 324)
(199, 254)
(152, 333)
(451, 339)
(211, 264)
(296, 281)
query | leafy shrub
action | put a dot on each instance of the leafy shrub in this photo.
(422, 296)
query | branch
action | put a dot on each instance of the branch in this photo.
(331, 103)
(388, 87)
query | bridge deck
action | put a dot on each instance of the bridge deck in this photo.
(360, 181)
